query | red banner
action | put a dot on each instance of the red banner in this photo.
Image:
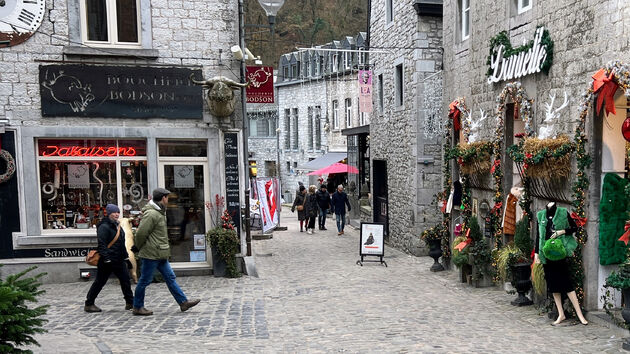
(260, 89)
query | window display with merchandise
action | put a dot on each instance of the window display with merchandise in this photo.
(79, 177)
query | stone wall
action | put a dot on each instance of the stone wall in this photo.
(394, 133)
(586, 36)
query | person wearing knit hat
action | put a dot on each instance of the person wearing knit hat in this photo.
(152, 245)
(113, 259)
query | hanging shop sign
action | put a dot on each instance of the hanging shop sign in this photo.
(119, 92)
(508, 63)
(365, 91)
(260, 89)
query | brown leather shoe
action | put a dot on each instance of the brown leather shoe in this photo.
(91, 308)
(142, 312)
(184, 306)
(128, 306)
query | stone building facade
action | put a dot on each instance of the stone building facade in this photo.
(405, 161)
(146, 65)
(317, 98)
(586, 35)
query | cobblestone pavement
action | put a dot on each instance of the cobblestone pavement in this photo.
(312, 297)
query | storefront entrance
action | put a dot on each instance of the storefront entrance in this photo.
(186, 213)
(381, 213)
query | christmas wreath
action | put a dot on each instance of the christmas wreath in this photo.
(8, 159)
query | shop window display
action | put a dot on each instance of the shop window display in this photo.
(78, 177)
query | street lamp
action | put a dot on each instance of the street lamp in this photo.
(271, 7)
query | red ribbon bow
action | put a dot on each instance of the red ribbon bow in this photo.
(626, 235)
(454, 114)
(495, 165)
(605, 87)
(460, 246)
(578, 220)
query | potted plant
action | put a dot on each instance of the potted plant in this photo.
(460, 257)
(620, 280)
(432, 237)
(521, 264)
(225, 244)
(480, 254)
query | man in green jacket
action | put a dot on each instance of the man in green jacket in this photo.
(151, 241)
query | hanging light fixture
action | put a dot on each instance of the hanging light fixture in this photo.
(271, 7)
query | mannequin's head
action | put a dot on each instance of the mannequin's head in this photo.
(517, 191)
(550, 205)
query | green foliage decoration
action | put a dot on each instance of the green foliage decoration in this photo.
(522, 239)
(459, 258)
(433, 234)
(538, 279)
(502, 38)
(19, 322)
(225, 241)
(480, 251)
(506, 257)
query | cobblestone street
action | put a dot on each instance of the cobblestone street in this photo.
(312, 297)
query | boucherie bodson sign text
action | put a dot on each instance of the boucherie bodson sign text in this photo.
(507, 63)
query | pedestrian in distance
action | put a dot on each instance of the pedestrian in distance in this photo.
(323, 201)
(151, 242)
(113, 259)
(298, 203)
(339, 203)
(312, 209)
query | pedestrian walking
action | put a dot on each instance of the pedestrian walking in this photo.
(339, 202)
(323, 201)
(113, 259)
(298, 203)
(312, 209)
(154, 250)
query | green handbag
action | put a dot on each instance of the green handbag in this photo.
(554, 249)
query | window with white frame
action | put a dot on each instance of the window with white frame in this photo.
(110, 22)
(348, 113)
(321, 65)
(361, 58)
(309, 117)
(318, 127)
(389, 10)
(465, 19)
(523, 5)
(347, 60)
(287, 128)
(285, 73)
(399, 82)
(335, 63)
(335, 114)
(362, 115)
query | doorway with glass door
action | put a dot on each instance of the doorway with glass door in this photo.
(187, 180)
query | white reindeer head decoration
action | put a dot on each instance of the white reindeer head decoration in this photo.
(547, 127)
(475, 126)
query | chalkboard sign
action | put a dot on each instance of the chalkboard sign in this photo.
(232, 186)
(119, 92)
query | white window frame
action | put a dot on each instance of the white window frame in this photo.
(335, 62)
(465, 17)
(335, 114)
(389, 11)
(348, 103)
(520, 8)
(112, 26)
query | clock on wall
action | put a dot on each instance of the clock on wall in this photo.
(19, 19)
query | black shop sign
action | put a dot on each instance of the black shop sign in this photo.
(232, 187)
(119, 92)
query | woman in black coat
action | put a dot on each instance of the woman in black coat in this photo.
(114, 259)
(312, 209)
(300, 198)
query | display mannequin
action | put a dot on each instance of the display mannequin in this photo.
(555, 222)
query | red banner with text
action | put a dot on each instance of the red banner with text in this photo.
(260, 89)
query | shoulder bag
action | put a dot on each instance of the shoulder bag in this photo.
(301, 207)
(93, 256)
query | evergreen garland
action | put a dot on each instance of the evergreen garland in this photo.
(502, 38)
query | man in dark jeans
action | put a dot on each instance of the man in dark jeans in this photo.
(323, 200)
(339, 203)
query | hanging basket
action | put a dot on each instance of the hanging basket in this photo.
(474, 158)
(548, 159)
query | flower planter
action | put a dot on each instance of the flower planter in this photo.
(521, 273)
(435, 252)
(219, 266)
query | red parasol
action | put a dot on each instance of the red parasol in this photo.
(334, 168)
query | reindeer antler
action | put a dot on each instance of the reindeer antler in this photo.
(564, 104)
(549, 107)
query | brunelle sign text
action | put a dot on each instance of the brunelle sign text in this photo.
(507, 63)
(119, 92)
